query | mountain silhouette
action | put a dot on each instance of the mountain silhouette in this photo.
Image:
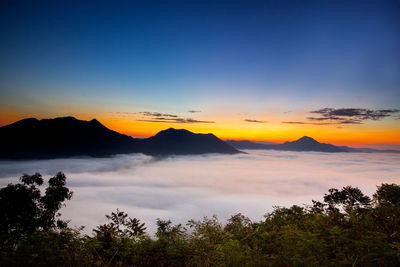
(70, 137)
(303, 144)
(173, 141)
(61, 137)
(309, 144)
(245, 144)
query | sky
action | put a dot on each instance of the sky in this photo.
(256, 70)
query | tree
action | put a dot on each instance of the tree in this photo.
(25, 210)
(387, 211)
(115, 243)
(121, 226)
(387, 194)
(349, 199)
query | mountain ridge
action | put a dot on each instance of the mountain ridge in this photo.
(304, 143)
(68, 137)
(62, 137)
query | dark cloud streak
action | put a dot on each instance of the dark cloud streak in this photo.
(357, 115)
(157, 114)
(322, 123)
(294, 122)
(168, 118)
(331, 116)
(256, 121)
(177, 120)
(124, 112)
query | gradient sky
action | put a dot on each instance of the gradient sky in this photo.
(251, 69)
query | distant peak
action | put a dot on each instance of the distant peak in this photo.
(173, 131)
(307, 139)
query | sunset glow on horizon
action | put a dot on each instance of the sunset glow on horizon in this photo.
(262, 71)
(376, 134)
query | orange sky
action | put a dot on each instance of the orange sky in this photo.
(228, 126)
(247, 67)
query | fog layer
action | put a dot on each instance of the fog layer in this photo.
(190, 187)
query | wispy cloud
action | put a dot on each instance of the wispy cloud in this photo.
(194, 111)
(294, 122)
(330, 116)
(219, 184)
(256, 121)
(352, 115)
(125, 112)
(335, 120)
(157, 114)
(169, 118)
(175, 120)
(310, 123)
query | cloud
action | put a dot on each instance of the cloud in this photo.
(331, 116)
(350, 122)
(352, 115)
(322, 119)
(124, 112)
(309, 123)
(190, 187)
(168, 118)
(257, 121)
(294, 122)
(157, 114)
(336, 120)
(175, 120)
(147, 116)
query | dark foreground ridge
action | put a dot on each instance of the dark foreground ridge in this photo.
(70, 137)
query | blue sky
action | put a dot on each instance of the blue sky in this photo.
(171, 56)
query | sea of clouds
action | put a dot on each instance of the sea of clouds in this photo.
(181, 188)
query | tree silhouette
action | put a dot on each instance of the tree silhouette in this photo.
(25, 210)
(121, 226)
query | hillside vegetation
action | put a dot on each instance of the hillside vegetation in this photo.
(347, 229)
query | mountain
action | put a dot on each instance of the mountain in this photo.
(245, 144)
(309, 144)
(368, 150)
(69, 137)
(303, 144)
(61, 137)
(173, 141)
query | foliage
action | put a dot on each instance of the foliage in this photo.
(25, 210)
(346, 229)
